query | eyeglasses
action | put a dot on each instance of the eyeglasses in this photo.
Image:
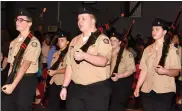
(21, 20)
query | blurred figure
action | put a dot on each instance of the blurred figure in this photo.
(5, 38)
(39, 32)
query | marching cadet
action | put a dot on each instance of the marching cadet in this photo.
(176, 43)
(57, 71)
(157, 83)
(122, 68)
(21, 91)
(89, 71)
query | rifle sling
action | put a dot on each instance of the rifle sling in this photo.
(18, 57)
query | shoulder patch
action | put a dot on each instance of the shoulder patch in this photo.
(106, 41)
(177, 52)
(34, 44)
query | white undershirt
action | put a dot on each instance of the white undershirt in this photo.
(86, 38)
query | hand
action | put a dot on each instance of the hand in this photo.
(115, 77)
(160, 70)
(51, 72)
(8, 88)
(63, 93)
(79, 55)
(136, 92)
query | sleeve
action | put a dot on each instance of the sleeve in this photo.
(68, 55)
(174, 58)
(104, 48)
(64, 63)
(50, 56)
(53, 59)
(33, 51)
(10, 53)
(130, 63)
(180, 54)
(143, 65)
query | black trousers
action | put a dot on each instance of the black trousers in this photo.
(93, 97)
(121, 90)
(54, 101)
(179, 88)
(22, 97)
(4, 75)
(157, 102)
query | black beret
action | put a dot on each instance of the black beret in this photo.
(116, 34)
(62, 33)
(88, 10)
(160, 22)
(59, 34)
(23, 12)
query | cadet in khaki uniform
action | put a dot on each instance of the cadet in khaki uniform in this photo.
(22, 90)
(158, 83)
(175, 42)
(122, 79)
(54, 102)
(90, 88)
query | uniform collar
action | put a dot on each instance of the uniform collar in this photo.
(20, 39)
(154, 47)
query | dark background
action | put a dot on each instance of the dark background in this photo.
(148, 10)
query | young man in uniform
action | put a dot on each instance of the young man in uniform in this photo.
(54, 102)
(21, 91)
(122, 68)
(89, 89)
(158, 83)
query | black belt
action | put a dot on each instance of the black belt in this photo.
(29, 74)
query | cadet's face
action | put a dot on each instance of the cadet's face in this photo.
(22, 23)
(84, 22)
(115, 43)
(158, 32)
(62, 42)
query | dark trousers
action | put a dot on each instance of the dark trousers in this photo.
(121, 90)
(22, 97)
(93, 97)
(157, 102)
(179, 88)
(54, 101)
(4, 75)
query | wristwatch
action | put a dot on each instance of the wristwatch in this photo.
(64, 87)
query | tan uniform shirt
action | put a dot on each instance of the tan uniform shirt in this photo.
(180, 56)
(127, 63)
(154, 81)
(31, 53)
(58, 78)
(86, 73)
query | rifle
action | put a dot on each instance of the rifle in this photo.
(94, 35)
(55, 66)
(92, 39)
(167, 39)
(125, 39)
(108, 26)
(17, 59)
